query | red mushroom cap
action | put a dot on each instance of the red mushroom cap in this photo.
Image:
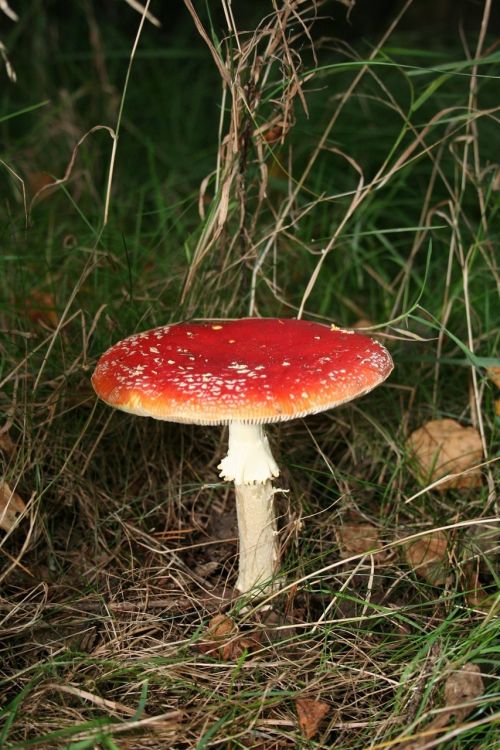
(252, 370)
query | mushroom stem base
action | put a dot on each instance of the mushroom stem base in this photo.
(259, 549)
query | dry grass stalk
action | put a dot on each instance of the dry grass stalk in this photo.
(248, 65)
(11, 507)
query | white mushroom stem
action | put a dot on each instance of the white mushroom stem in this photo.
(250, 464)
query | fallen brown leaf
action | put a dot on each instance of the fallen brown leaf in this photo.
(494, 375)
(273, 134)
(11, 507)
(41, 308)
(220, 628)
(237, 646)
(310, 714)
(357, 538)
(428, 557)
(222, 638)
(443, 446)
(41, 184)
(460, 691)
(6, 444)
(463, 686)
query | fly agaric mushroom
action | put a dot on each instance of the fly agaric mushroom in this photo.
(243, 373)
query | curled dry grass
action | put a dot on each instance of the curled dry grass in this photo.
(128, 549)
